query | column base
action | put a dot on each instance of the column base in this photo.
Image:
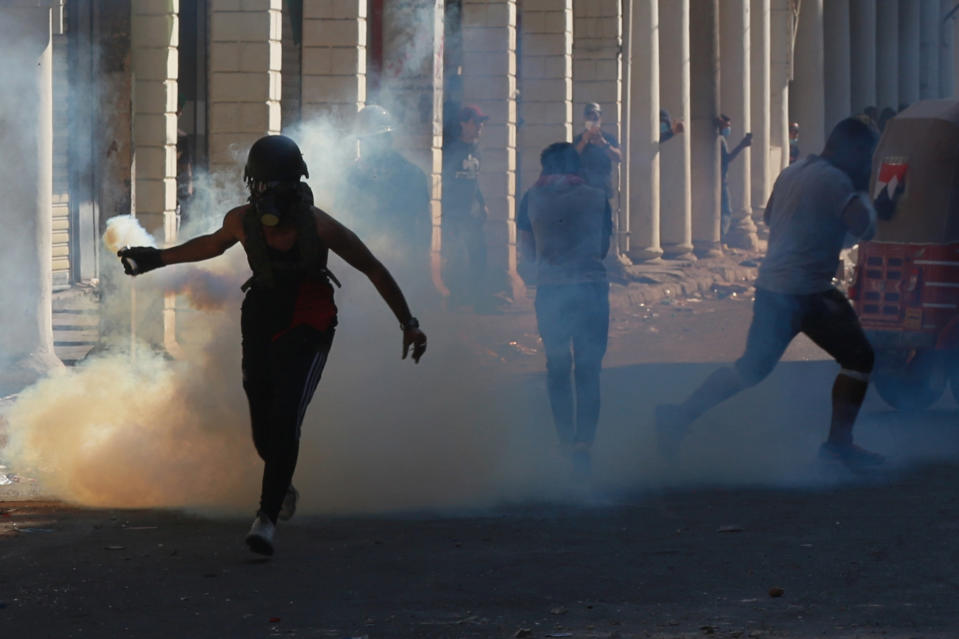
(645, 254)
(704, 249)
(679, 252)
(742, 233)
(761, 229)
(26, 371)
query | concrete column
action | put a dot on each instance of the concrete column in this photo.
(862, 41)
(782, 25)
(245, 83)
(807, 104)
(333, 83)
(837, 63)
(410, 41)
(928, 49)
(946, 68)
(155, 29)
(489, 81)
(546, 83)
(676, 204)
(598, 77)
(953, 25)
(759, 71)
(734, 28)
(26, 341)
(705, 143)
(908, 52)
(411, 85)
(642, 140)
(887, 54)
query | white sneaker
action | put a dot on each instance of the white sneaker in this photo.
(260, 537)
(289, 504)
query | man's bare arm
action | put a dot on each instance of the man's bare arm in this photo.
(207, 246)
(859, 217)
(354, 252)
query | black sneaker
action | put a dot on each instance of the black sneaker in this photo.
(671, 423)
(288, 508)
(852, 456)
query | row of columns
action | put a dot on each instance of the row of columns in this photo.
(881, 53)
(673, 60)
(903, 51)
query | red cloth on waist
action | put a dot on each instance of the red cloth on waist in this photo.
(313, 307)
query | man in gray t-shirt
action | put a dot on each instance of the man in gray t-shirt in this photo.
(806, 227)
(815, 207)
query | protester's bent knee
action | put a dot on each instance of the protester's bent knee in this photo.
(861, 361)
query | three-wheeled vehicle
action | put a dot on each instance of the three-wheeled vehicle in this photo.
(906, 282)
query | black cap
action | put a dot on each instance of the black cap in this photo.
(591, 108)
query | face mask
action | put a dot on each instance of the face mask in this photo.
(726, 132)
(278, 199)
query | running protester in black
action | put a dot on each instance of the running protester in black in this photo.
(288, 315)
(817, 206)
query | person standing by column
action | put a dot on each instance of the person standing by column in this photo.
(389, 196)
(464, 212)
(793, 142)
(724, 125)
(564, 227)
(817, 206)
(598, 150)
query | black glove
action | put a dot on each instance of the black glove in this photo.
(137, 260)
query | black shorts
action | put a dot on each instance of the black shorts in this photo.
(826, 318)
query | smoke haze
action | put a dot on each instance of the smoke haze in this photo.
(130, 427)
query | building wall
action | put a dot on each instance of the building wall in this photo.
(245, 80)
(334, 58)
(154, 40)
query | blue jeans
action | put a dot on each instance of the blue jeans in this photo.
(573, 321)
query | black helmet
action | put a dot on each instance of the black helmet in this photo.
(274, 158)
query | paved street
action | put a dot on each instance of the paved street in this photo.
(652, 550)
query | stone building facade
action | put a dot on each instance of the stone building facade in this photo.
(235, 70)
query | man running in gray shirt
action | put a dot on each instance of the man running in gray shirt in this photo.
(818, 206)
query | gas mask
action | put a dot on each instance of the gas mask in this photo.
(279, 200)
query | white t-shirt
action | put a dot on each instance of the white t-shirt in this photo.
(806, 230)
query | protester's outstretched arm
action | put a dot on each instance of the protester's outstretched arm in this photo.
(859, 218)
(348, 246)
(142, 259)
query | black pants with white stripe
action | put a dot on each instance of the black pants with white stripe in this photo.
(280, 377)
